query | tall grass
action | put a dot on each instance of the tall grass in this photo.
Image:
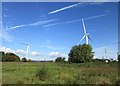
(59, 73)
(42, 73)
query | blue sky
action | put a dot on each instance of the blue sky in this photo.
(52, 28)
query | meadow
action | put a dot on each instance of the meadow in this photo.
(59, 73)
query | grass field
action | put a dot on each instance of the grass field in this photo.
(59, 73)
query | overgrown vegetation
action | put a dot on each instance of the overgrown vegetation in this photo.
(59, 73)
(42, 73)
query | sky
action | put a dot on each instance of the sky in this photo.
(52, 28)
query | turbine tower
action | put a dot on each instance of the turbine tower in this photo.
(86, 35)
(106, 56)
(105, 53)
(27, 47)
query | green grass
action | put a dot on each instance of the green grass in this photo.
(59, 73)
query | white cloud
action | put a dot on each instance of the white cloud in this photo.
(64, 8)
(95, 57)
(23, 52)
(56, 54)
(19, 52)
(6, 49)
(35, 53)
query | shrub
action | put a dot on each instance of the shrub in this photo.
(42, 73)
(29, 60)
(24, 60)
(60, 59)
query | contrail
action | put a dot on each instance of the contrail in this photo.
(32, 24)
(95, 16)
(42, 22)
(64, 8)
(48, 25)
(11, 28)
(77, 20)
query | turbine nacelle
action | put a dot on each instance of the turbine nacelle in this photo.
(87, 34)
(27, 47)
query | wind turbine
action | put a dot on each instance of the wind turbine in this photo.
(106, 56)
(86, 35)
(27, 47)
(105, 53)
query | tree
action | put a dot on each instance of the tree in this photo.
(80, 54)
(24, 60)
(29, 60)
(87, 53)
(11, 57)
(60, 59)
(2, 56)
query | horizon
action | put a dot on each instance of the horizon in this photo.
(52, 28)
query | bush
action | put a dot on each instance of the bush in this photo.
(29, 60)
(59, 59)
(42, 73)
(24, 60)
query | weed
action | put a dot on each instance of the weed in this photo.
(42, 73)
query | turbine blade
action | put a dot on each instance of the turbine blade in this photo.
(82, 38)
(84, 26)
(22, 43)
(105, 50)
(90, 38)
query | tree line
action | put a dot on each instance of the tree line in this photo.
(11, 57)
(78, 54)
